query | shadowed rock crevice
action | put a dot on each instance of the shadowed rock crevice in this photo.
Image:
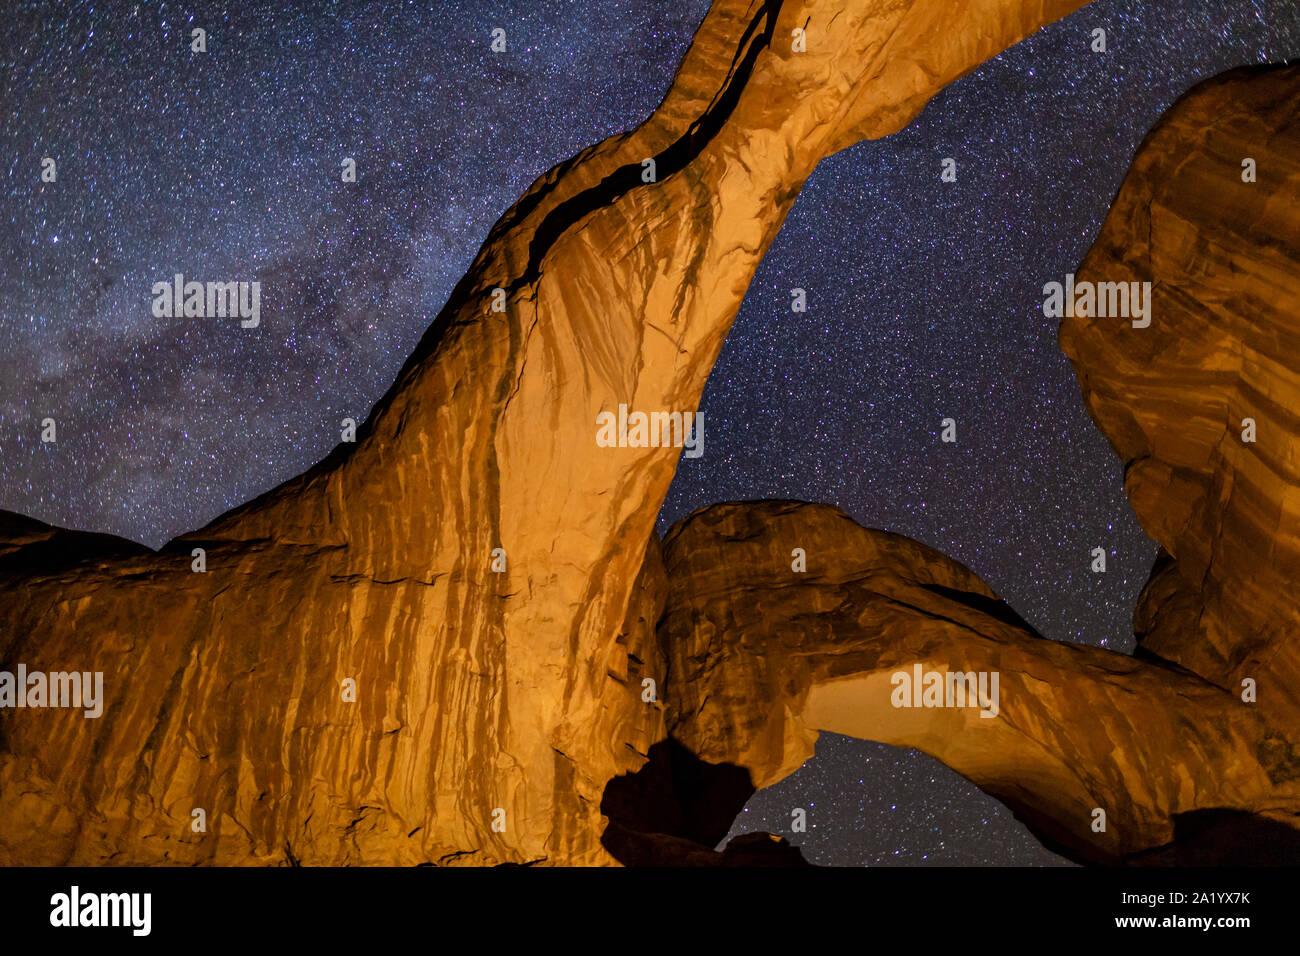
(677, 808)
(668, 162)
(1219, 837)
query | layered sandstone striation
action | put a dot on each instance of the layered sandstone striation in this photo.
(763, 656)
(491, 707)
(1223, 347)
(1204, 405)
(601, 698)
(1190, 747)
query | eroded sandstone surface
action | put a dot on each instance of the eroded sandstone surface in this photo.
(1223, 347)
(520, 698)
(763, 656)
(491, 708)
(1190, 746)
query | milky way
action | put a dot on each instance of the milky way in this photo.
(924, 297)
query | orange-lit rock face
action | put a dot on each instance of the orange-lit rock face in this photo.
(1223, 348)
(1190, 747)
(762, 656)
(490, 707)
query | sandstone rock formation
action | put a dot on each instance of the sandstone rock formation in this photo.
(1219, 238)
(762, 657)
(1223, 346)
(491, 708)
(1188, 767)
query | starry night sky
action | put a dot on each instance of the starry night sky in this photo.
(924, 298)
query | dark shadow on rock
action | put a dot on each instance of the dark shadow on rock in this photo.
(674, 159)
(677, 808)
(1224, 837)
(31, 547)
(995, 608)
(762, 849)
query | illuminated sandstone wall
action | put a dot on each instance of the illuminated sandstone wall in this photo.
(476, 691)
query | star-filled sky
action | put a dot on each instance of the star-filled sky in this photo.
(924, 298)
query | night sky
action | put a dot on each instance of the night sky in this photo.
(924, 298)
